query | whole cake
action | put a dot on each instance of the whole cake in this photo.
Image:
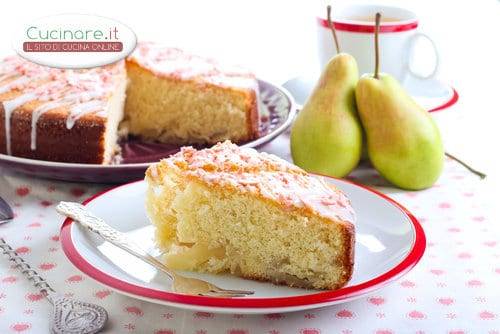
(74, 115)
(232, 209)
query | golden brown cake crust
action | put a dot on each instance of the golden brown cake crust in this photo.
(253, 117)
(348, 248)
(84, 143)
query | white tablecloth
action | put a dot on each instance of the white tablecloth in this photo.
(454, 289)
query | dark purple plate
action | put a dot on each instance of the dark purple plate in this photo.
(277, 112)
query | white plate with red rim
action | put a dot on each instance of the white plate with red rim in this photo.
(389, 242)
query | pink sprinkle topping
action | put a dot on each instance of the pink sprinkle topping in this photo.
(246, 170)
(176, 63)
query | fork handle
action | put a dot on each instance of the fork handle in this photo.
(38, 281)
(79, 213)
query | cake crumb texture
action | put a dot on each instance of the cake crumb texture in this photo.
(175, 97)
(228, 209)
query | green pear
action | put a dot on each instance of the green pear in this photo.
(327, 136)
(404, 143)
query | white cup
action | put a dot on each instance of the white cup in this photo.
(397, 38)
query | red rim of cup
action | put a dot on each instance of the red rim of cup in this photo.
(345, 293)
(353, 26)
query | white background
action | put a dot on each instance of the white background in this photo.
(277, 40)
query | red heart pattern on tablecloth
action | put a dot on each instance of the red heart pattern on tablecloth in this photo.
(274, 316)
(444, 205)
(345, 314)
(203, 315)
(310, 331)
(164, 331)
(20, 327)
(416, 315)
(408, 284)
(384, 331)
(437, 272)
(77, 192)
(34, 297)
(474, 283)
(23, 250)
(47, 266)
(376, 300)
(102, 294)
(74, 279)
(46, 203)
(486, 315)
(490, 243)
(22, 191)
(446, 301)
(9, 279)
(134, 310)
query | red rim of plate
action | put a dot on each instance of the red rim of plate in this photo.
(349, 292)
(351, 26)
(449, 103)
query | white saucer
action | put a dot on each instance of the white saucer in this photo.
(389, 242)
(432, 94)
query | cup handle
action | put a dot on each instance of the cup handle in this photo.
(411, 46)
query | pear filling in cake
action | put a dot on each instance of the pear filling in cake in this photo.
(214, 212)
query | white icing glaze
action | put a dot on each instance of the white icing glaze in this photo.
(81, 110)
(12, 84)
(174, 62)
(9, 107)
(247, 170)
(81, 91)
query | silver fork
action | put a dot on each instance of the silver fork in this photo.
(69, 315)
(180, 284)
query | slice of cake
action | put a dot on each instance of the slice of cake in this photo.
(230, 209)
(60, 115)
(175, 97)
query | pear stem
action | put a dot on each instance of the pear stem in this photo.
(377, 55)
(332, 27)
(481, 175)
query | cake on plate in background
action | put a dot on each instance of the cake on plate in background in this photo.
(172, 97)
